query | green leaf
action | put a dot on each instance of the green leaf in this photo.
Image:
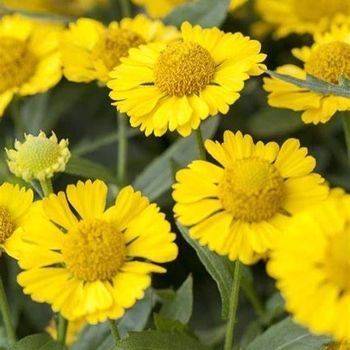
(205, 13)
(219, 267)
(314, 84)
(88, 169)
(180, 308)
(156, 340)
(287, 335)
(37, 342)
(157, 177)
(166, 324)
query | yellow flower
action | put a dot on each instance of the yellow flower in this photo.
(311, 263)
(239, 208)
(15, 203)
(73, 330)
(306, 16)
(38, 157)
(327, 59)
(174, 86)
(91, 263)
(29, 58)
(90, 50)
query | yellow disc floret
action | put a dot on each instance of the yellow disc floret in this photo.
(329, 61)
(251, 190)
(17, 63)
(94, 250)
(38, 157)
(184, 68)
(6, 225)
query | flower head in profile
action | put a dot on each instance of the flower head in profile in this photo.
(91, 263)
(306, 16)
(29, 58)
(90, 50)
(175, 86)
(311, 265)
(238, 208)
(38, 157)
(327, 59)
(15, 204)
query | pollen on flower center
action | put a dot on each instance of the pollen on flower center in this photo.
(93, 250)
(17, 63)
(330, 61)
(184, 68)
(6, 225)
(114, 44)
(337, 264)
(251, 190)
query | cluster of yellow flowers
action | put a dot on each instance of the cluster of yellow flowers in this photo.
(252, 201)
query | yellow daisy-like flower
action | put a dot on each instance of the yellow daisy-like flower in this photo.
(311, 263)
(174, 86)
(327, 59)
(306, 16)
(237, 209)
(38, 157)
(92, 263)
(90, 50)
(29, 58)
(15, 203)
(73, 330)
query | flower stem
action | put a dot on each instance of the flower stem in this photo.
(125, 8)
(6, 315)
(62, 329)
(233, 306)
(346, 124)
(114, 330)
(200, 144)
(46, 186)
(122, 149)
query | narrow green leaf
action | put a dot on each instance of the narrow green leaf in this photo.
(157, 177)
(37, 342)
(165, 324)
(287, 335)
(156, 340)
(205, 13)
(88, 169)
(219, 267)
(180, 308)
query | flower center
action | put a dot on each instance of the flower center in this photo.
(329, 62)
(6, 225)
(93, 250)
(338, 263)
(313, 10)
(183, 68)
(17, 64)
(114, 44)
(251, 190)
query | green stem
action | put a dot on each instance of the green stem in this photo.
(46, 186)
(62, 329)
(233, 306)
(16, 113)
(346, 124)
(114, 330)
(6, 315)
(253, 297)
(200, 144)
(122, 149)
(125, 8)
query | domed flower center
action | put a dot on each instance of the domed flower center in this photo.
(338, 263)
(6, 225)
(17, 63)
(251, 190)
(313, 10)
(183, 68)
(330, 61)
(93, 250)
(114, 44)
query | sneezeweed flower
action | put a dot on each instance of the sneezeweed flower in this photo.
(307, 16)
(38, 157)
(175, 86)
(90, 50)
(311, 265)
(237, 209)
(29, 57)
(15, 203)
(327, 59)
(73, 330)
(91, 263)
